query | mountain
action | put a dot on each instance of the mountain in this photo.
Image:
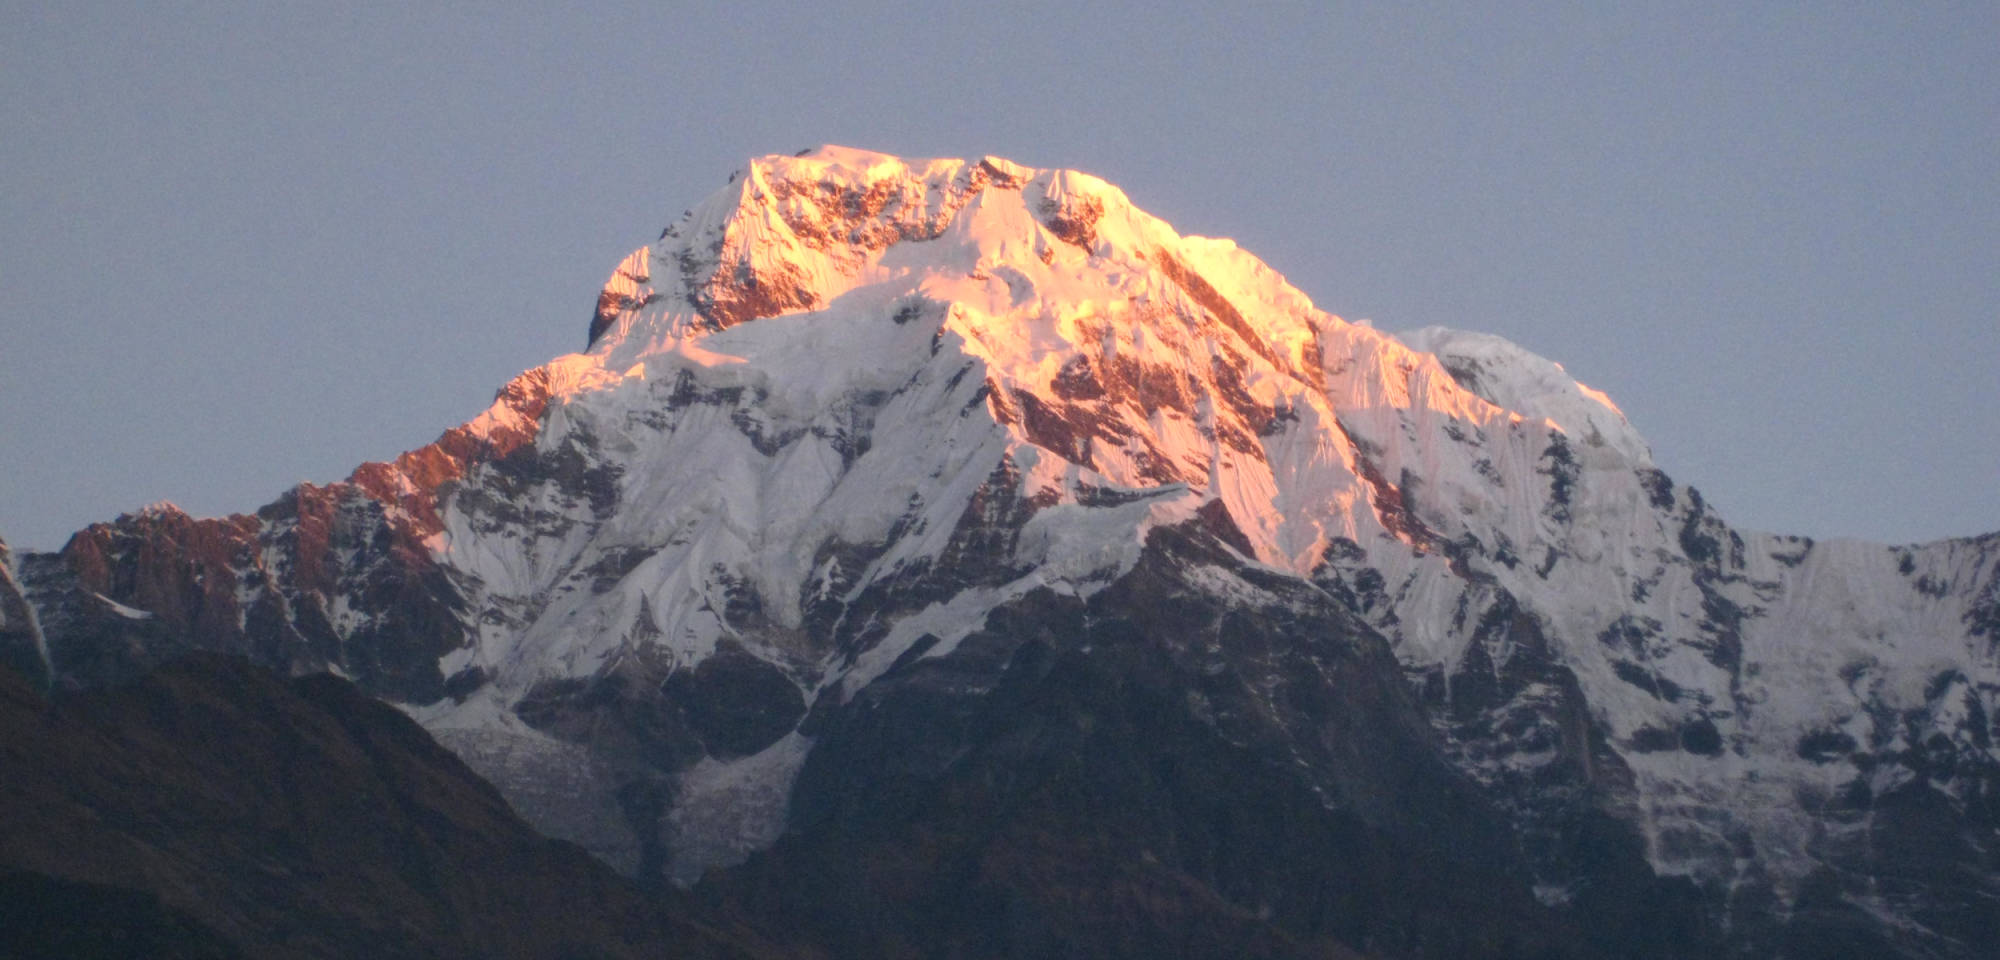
(949, 552)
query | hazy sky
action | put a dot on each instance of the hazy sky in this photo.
(244, 245)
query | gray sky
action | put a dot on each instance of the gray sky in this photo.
(244, 245)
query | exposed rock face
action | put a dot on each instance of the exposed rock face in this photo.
(904, 519)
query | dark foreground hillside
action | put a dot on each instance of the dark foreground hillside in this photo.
(215, 810)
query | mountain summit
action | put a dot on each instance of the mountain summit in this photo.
(956, 535)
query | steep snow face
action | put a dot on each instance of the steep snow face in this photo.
(1515, 379)
(850, 404)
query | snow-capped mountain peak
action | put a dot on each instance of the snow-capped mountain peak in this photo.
(1135, 356)
(855, 421)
